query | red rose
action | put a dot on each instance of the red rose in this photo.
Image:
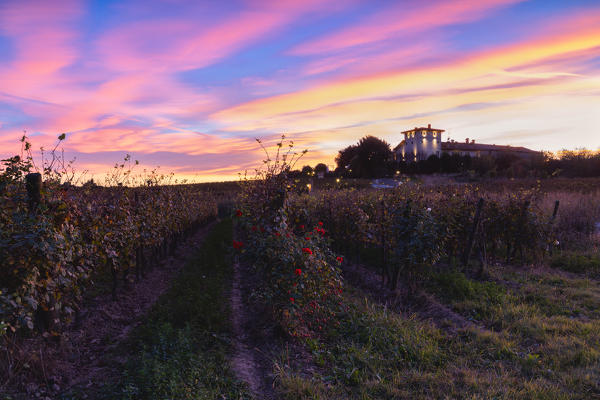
(238, 213)
(339, 259)
(320, 224)
(307, 250)
(292, 299)
(298, 271)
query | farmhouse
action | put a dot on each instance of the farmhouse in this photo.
(422, 143)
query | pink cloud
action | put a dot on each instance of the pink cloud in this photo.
(402, 19)
(44, 40)
(188, 43)
(352, 63)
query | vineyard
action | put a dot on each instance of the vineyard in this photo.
(446, 290)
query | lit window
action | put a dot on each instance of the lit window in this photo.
(434, 134)
(424, 133)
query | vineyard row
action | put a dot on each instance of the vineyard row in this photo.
(54, 239)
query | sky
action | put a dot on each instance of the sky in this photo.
(188, 86)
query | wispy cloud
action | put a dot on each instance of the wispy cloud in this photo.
(189, 85)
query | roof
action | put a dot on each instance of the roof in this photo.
(423, 129)
(483, 147)
(402, 143)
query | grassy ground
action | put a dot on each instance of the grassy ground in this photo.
(182, 348)
(535, 335)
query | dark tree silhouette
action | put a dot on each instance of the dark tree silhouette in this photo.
(307, 170)
(321, 168)
(370, 158)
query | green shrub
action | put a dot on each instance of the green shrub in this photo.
(576, 262)
(455, 286)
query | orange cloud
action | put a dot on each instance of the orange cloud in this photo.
(481, 69)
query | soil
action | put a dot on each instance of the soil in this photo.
(83, 356)
(252, 343)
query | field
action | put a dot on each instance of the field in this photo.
(436, 289)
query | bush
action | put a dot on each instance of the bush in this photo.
(578, 263)
(300, 277)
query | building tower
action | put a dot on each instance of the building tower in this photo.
(419, 144)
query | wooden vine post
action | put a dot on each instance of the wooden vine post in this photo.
(382, 239)
(552, 219)
(518, 243)
(473, 231)
(33, 184)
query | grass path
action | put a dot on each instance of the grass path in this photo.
(536, 344)
(183, 348)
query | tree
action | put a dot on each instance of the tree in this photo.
(346, 156)
(369, 158)
(307, 170)
(321, 168)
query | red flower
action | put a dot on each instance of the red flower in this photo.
(237, 245)
(307, 238)
(238, 213)
(292, 299)
(320, 223)
(298, 271)
(307, 250)
(339, 259)
(287, 235)
(277, 234)
(301, 226)
(254, 228)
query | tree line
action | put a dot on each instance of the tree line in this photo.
(372, 157)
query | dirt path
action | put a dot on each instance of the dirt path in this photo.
(254, 342)
(84, 357)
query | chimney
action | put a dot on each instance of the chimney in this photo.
(428, 126)
(467, 141)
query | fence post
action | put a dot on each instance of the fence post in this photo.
(469, 247)
(33, 184)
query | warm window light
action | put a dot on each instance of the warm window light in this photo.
(338, 180)
(397, 172)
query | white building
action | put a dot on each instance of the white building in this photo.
(419, 144)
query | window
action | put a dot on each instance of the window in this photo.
(434, 134)
(424, 133)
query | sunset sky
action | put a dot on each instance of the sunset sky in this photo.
(189, 85)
